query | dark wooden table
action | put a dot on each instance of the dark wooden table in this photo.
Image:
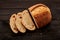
(50, 32)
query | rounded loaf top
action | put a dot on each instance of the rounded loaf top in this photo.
(41, 14)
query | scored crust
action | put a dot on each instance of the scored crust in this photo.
(12, 23)
(27, 22)
(41, 14)
(19, 24)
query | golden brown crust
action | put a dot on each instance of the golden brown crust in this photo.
(35, 6)
(41, 14)
(42, 19)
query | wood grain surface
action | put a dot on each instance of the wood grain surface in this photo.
(49, 32)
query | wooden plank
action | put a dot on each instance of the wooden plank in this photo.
(9, 11)
(6, 13)
(30, 0)
(50, 32)
(24, 4)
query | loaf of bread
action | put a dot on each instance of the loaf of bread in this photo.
(41, 14)
(21, 21)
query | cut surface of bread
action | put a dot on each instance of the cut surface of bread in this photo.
(12, 23)
(27, 21)
(19, 24)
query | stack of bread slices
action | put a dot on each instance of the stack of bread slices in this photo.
(21, 21)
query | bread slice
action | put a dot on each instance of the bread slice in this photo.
(27, 21)
(12, 23)
(19, 24)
